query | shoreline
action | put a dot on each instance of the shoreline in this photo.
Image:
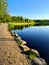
(11, 54)
(26, 48)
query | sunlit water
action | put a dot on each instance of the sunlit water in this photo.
(37, 37)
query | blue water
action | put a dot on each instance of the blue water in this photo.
(37, 37)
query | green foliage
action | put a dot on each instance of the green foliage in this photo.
(5, 18)
(18, 19)
(19, 25)
(3, 7)
(14, 18)
(18, 41)
(41, 22)
(32, 56)
(10, 26)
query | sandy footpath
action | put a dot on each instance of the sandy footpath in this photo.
(9, 50)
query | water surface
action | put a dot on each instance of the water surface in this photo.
(37, 37)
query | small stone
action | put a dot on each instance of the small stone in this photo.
(38, 61)
(24, 42)
(25, 47)
(16, 35)
(18, 38)
(13, 33)
(35, 51)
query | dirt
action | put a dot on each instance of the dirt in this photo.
(9, 51)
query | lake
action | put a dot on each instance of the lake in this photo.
(37, 37)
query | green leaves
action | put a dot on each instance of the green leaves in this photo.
(3, 7)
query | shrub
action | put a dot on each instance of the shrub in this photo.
(19, 43)
(32, 56)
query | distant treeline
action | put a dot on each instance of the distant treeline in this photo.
(41, 22)
(20, 19)
(16, 19)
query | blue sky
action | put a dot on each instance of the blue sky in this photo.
(35, 9)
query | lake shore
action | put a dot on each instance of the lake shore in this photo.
(10, 53)
(9, 50)
(25, 47)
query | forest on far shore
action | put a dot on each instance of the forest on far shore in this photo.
(20, 19)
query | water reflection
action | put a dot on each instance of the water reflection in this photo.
(37, 37)
(18, 27)
(21, 27)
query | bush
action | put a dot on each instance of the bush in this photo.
(32, 56)
(10, 26)
(19, 43)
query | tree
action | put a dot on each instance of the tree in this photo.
(14, 18)
(3, 7)
(27, 20)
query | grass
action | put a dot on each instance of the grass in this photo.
(32, 56)
(25, 23)
(12, 25)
